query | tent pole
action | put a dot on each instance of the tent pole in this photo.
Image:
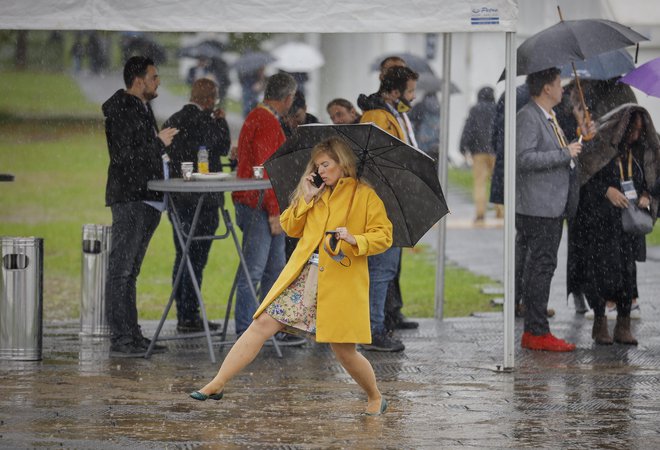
(509, 200)
(443, 158)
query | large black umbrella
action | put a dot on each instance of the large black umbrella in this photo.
(573, 40)
(570, 41)
(404, 177)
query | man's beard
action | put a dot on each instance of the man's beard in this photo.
(150, 95)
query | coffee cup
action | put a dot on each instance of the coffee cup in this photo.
(258, 172)
(187, 170)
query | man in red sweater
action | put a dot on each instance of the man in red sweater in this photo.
(263, 239)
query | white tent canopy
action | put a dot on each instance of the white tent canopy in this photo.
(313, 16)
(286, 16)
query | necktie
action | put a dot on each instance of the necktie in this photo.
(558, 131)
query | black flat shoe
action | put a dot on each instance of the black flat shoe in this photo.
(202, 397)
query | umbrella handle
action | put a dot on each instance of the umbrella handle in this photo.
(586, 118)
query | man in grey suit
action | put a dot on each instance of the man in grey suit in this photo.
(547, 190)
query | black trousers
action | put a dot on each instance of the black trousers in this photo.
(537, 243)
(133, 225)
(187, 306)
(394, 301)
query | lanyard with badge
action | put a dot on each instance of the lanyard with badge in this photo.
(627, 186)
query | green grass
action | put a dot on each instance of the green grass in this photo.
(460, 178)
(60, 166)
(42, 94)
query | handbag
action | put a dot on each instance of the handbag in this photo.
(636, 221)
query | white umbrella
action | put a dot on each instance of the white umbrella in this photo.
(297, 57)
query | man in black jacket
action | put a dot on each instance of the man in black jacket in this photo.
(137, 155)
(199, 125)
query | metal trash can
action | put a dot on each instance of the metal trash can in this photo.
(21, 298)
(96, 240)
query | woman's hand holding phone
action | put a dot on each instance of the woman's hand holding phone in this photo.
(313, 186)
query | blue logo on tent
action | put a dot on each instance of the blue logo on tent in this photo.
(485, 16)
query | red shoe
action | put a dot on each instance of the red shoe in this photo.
(546, 342)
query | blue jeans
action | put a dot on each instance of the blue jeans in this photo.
(382, 270)
(264, 256)
(133, 225)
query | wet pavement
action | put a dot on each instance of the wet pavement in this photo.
(444, 390)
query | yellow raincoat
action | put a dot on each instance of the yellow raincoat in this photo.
(342, 299)
(385, 120)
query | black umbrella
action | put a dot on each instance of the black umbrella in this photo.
(416, 63)
(144, 46)
(252, 61)
(601, 67)
(573, 40)
(404, 177)
(206, 49)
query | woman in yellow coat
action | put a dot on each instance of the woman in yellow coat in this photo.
(320, 292)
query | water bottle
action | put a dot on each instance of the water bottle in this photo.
(202, 160)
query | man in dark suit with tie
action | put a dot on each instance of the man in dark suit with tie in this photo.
(199, 125)
(547, 190)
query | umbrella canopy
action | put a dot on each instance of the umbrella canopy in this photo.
(404, 177)
(206, 49)
(416, 63)
(572, 40)
(646, 78)
(430, 83)
(297, 57)
(252, 61)
(140, 44)
(601, 67)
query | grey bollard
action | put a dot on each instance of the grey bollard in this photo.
(21, 299)
(96, 240)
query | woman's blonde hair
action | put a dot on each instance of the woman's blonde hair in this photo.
(336, 149)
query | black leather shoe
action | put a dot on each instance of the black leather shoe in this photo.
(407, 325)
(384, 343)
(157, 347)
(194, 326)
(129, 349)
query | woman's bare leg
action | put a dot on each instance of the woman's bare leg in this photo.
(360, 369)
(243, 351)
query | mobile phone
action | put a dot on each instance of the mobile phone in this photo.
(317, 180)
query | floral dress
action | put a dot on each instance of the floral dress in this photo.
(295, 307)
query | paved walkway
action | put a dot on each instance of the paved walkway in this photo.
(445, 390)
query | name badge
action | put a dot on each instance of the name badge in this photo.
(629, 191)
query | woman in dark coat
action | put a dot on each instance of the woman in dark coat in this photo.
(626, 148)
(601, 96)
